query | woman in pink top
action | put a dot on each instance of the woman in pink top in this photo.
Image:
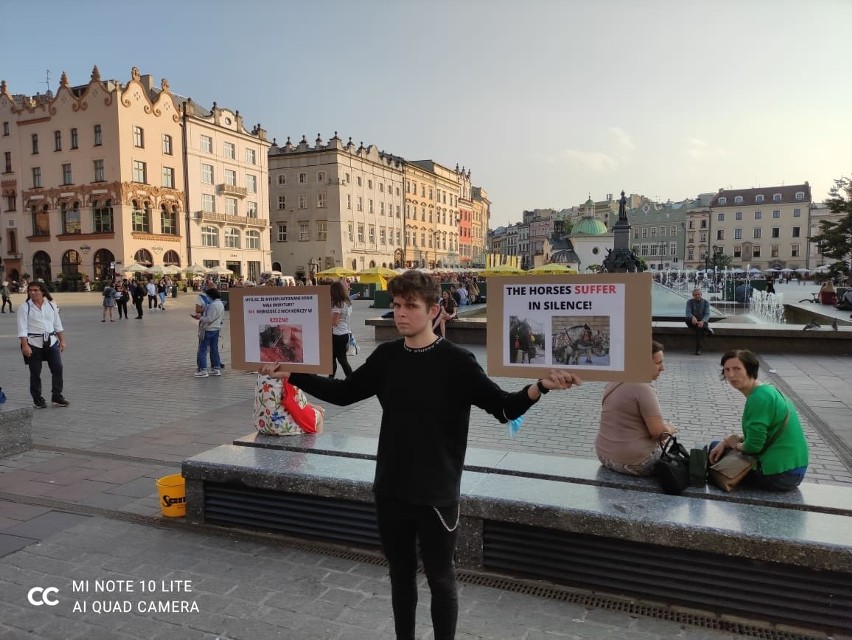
(632, 423)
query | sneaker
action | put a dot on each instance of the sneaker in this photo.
(216, 372)
(202, 373)
(709, 330)
(698, 352)
(59, 401)
(40, 403)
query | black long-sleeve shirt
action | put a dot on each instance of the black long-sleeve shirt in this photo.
(426, 395)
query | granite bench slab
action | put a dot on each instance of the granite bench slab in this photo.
(809, 496)
(16, 429)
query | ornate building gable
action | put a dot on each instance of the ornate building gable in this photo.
(141, 94)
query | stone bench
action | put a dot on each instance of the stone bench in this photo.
(774, 557)
(16, 429)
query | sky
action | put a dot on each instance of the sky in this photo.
(547, 102)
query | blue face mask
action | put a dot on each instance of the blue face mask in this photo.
(513, 426)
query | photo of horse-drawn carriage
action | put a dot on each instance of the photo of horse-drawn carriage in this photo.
(580, 340)
(526, 341)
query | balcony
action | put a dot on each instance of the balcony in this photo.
(232, 190)
(210, 216)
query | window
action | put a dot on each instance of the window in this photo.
(35, 143)
(282, 203)
(672, 249)
(141, 217)
(140, 172)
(70, 218)
(321, 200)
(282, 233)
(138, 137)
(720, 234)
(776, 197)
(370, 205)
(673, 230)
(303, 178)
(797, 232)
(169, 177)
(320, 176)
(303, 201)
(36, 177)
(251, 156)
(797, 213)
(99, 171)
(398, 236)
(11, 205)
(282, 179)
(369, 184)
(8, 157)
(75, 139)
(350, 232)
(755, 251)
(231, 206)
(208, 203)
(57, 141)
(348, 201)
(207, 144)
(702, 236)
(382, 208)
(251, 209)
(322, 230)
(372, 232)
(758, 215)
(757, 232)
(360, 233)
(360, 206)
(252, 239)
(167, 144)
(209, 236)
(720, 217)
(229, 150)
(358, 180)
(794, 250)
(653, 232)
(397, 211)
(382, 236)
(800, 196)
(251, 183)
(66, 174)
(776, 214)
(5, 128)
(99, 140)
(168, 220)
(738, 215)
(704, 224)
(758, 199)
(230, 177)
(738, 234)
(776, 232)
(773, 251)
(738, 251)
(304, 232)
(206, 173)
(738, 199)
(723, 201)
(644, 232)
(41, 221)
(232, 238)
(102, 216)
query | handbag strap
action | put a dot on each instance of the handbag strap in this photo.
(783, 428)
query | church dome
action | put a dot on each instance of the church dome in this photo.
(589, 227)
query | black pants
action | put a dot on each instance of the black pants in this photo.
(53, 358)
(153, 303)
(137, 302)
(5, 302)
(401, 526)
(699, 331)
(122, 307)
(339, 345)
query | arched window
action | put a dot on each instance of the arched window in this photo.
(41, 266)
(70, 218)
(171, 258)
(103, 264)
(102, 216)
(70, 263)
(252, 239)
(232, 238)
(168, 220)
(41, 221)
(143, 256)
(142, 216)
(372, 264)
(276, 266)
(210, 236)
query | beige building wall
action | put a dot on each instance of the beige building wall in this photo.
(432, 196)
(335, 205)
(479, 226)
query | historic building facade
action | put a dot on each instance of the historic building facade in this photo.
(95, 178)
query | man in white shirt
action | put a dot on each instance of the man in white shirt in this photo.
(42, 339)
(208, 336)
(151, 288)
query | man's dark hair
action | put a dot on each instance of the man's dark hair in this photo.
(749, 360)
(213, 294)
(413, 284)
(655, 347)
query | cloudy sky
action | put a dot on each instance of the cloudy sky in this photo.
(546, 101)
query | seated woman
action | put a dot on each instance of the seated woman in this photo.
(631, 424)
(448, 312)
(768, 418)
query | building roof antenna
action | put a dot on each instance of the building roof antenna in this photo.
(47, 81)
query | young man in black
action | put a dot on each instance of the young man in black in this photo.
(421, 452)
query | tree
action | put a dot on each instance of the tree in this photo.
(835, 241)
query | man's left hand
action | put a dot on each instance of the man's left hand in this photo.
(561, 380)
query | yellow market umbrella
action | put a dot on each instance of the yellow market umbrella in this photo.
(502, 270)
(551, 268)
(384, 272)
(336, 272)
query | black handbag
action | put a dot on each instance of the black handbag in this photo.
(672, 469)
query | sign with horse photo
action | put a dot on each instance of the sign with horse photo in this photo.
(596, 325)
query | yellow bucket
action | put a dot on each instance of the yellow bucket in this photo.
(172, 490)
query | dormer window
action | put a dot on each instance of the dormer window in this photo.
(800, 196)
(738, 200)
(723, 201)
(758, 199)
(776, 197)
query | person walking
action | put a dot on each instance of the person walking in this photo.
(698, 317)
(121, 299)
(161, 293)
(208, 332)
(341, 312)
(42, 340)
(137, 291)
(4, 293)
(151, 289)
(421, 452)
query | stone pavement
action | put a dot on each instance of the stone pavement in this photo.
(82, 505)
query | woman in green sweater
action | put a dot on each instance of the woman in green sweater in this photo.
(781, 466)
